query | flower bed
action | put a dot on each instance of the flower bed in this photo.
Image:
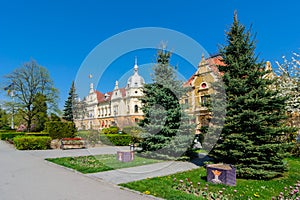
(72, 143)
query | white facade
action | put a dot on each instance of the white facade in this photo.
(120, 107)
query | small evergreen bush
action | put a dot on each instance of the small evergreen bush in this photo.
(110, 130)
(92, 137)
(116, 139)
(10, 135)
(32, 142)
(134, 132)
(37, 134)
(59, 130)
(296, 150)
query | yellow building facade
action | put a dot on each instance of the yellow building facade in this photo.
(200, 90)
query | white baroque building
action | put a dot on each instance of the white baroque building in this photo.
(120, 107)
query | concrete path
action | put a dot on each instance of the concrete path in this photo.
(57, 153)
(142, 172)
(25, 175)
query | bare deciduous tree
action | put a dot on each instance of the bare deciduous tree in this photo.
(29, 81)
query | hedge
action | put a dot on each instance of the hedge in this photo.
(32, 142)
(134, 132)
(59, 130)
(110, 130)
(92, 137)
(115, 139)
(7, 131)
(10, 135)
(37, 134)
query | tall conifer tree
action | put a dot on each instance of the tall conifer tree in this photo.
(255, 116)
(40, 112)
(70, 104)
(168, 132)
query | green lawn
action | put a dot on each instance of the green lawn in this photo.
(245, 189)
(99, 163)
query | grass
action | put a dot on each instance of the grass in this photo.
(99, 163)
(244, 189)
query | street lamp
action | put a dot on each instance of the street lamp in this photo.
(13, 109)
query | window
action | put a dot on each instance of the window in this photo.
(186, 101)
(204, 100)
(116, 110)
(136, 109)
(203, 85)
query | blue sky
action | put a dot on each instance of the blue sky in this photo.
(59, 34)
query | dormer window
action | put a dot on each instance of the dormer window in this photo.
(203, 85)
(106, 96)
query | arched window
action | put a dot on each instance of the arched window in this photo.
(136, 109)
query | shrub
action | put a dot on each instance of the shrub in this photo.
(59, 130)
(134, 132)
(10, 135)
(116, 139)
(296, 150)
(7, 131)
(32, 142)
(37, 134)
(110, 130)
(91, 137)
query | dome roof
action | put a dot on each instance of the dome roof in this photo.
(135, 80)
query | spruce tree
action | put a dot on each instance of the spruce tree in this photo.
(40, 112)
(168, 133)
(255, 118)
(70, 104)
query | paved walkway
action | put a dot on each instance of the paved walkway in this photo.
(142, 172)
(25, 175)
(57, 153)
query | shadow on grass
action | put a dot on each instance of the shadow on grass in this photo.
(200, 159)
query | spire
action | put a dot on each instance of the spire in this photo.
(91, 88)
(202, 58)
(203, 61)
(136, 68)
(116, 85)
(91, 85)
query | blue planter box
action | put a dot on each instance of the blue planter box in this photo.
(125, 156)
(221, 174)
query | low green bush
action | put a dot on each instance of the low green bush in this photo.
(92, 137)
(116, 139)
(134, 132)
(32, 142)
(296, 150)
(10, 135)
(59, 130)
(37, 134)
(110, 130)
(7, 131)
